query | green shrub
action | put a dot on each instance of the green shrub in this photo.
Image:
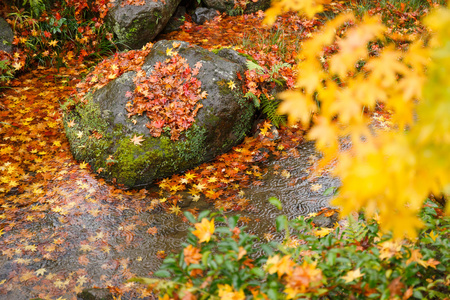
(352, 261)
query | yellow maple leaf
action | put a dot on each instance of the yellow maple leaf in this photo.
(226, 292)
(41, 272)
(298, 107)
(137, 140)
(204, 230)
(175, 210)
(323, 232)
(192, 255)
(310, 75)
(189, 175)
(241, 253)
(309, 7)
(354, 46)
(169, 52)
(390, 248)
(231, 85)
(433, 235)
(325, 133)
(315, 187)
(280, 266)
(17, 66)
(71, 123)
(431, 263)
(352, 275)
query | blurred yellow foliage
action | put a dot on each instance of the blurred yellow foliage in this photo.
(386, 172)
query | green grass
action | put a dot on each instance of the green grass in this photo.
(363, 6)
(264, 39)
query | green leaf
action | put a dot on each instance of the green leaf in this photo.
(143, 280)
(195, 266)
(170, 260)
(203, 214)
(266, 248)
(205, 257)
(273, 294)
(253, 66)
(232, 221)
(274, 201)
(258, 272)
(219, 259)
(255, 99)
(282, 223)
(331, 258)
(229, 265)
(329, 191)
(224, 230)
(235, 280)
(162, 274)
(190, 217)
(213, 264)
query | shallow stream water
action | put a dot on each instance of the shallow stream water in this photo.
(98, 242)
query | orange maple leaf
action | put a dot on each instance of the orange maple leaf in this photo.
(192, 255)
(152, 230)
(204, 230)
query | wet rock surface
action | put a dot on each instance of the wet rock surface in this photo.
(136, 25)
(6, 36)
(229, 6)
(95, 294)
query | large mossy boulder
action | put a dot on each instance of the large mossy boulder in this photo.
(136, 25)
(100, 131)
(229, 7)
(6, 36)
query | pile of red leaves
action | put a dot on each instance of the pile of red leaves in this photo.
(168, 96)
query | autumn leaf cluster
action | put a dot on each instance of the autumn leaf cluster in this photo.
(111, 68)
(168, 96)
(267, 75)
(56, 34)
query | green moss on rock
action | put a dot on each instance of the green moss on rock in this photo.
(119, 158)
(241, 128)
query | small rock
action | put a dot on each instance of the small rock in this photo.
(230, 7)
(203, 14)
(324, 221)
(135, 26)
(272, 134)
(95, 294)
(176, 21)
(6, 36)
